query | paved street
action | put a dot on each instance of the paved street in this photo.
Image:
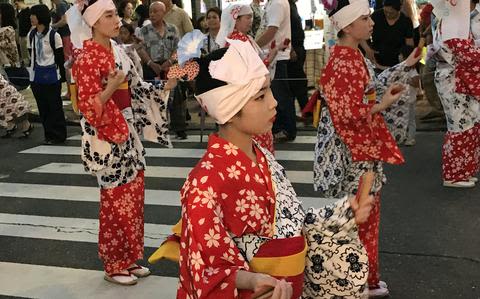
(430, 236)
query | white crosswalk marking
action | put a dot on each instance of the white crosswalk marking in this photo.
(196, 138)
(304, 177)
(35, 281)
(165, 152)
(75, 220)
(68, 229)
(91, 194)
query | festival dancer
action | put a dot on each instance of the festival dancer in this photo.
(352, 136)
(243, 230)
(116, 107)
(457, 25)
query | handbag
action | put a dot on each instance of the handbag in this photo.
(18, 76)
(45, 74)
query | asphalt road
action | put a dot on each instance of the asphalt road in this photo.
(430, 235)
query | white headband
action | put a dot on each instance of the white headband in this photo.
(96, 10)
(81, 25)
(245, 74)
(227, 23)
(348, 14)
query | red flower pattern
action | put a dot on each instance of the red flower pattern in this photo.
(345, 81)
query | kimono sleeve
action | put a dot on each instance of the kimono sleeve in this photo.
(399, 73)
(336, 262)
(209, 259)
(343, 84)
(149, 104)
(106, 118)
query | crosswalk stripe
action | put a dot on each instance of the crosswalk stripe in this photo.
(68, 229)
(165, 152)
(36, 281)
(301, 177)
(196, 138)
(91, 194)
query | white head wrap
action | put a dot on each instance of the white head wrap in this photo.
(348, 14)
(229, 17)
(243, 71)
(81, 25)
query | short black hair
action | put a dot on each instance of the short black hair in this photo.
(121, 7)
(215, 10)
(199, 22)
(395, 4)
(475, 1)
(340, 4)
(8, 15)
(18, 1)
(129, 27)
(42, 13)
(142, 12)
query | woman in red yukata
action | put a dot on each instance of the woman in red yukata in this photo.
(352, 135)
(116, 108)
(244, 232)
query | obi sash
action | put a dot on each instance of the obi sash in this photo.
(122, 97)
(280, 258)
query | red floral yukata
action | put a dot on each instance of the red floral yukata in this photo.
(265, 140)
(112, 150)
(361, 140)
(456, 78)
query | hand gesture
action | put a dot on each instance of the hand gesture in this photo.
(392, 94)
(266, 286)
(115, 79)
(171, 84)
(416, 55)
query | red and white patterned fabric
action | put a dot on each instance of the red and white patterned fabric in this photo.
(344, 82)
(467, 66)
(368, 233)
(120, 236)
(93, 64)
(461, 154)
(207, 268)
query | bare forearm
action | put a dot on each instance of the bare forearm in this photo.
(377, 108)
(106, 94)
(267, 36)
(143, 55)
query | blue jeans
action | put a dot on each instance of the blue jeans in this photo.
(285, 120)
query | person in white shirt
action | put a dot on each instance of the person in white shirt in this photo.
(275, 30)
(47, 73)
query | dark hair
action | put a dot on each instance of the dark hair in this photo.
(198, 23)
(91, 2)
(129, 27)
(340, 4)
(42, 13)
(395, 4)
(121, 7)
(142, 12)
(18, 1)
(215, 10)
(178, 3)
(475, 1)
(8, 15)
(204, 81)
